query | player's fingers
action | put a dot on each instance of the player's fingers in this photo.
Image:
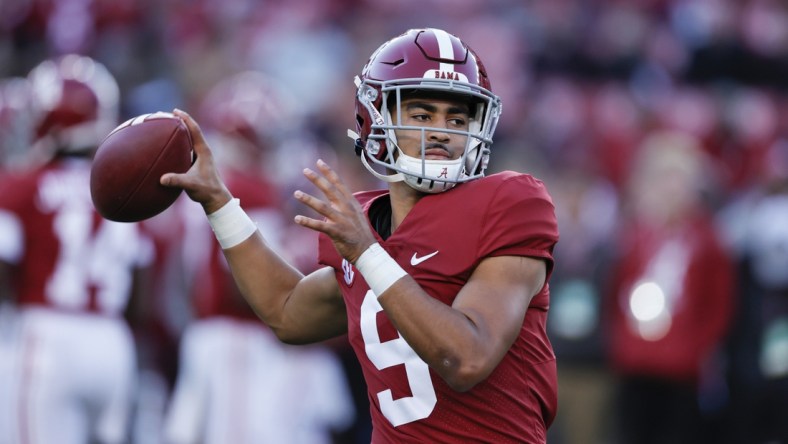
(314, 203)
(333, 178)
(323, 185)
(314, 224)
(198, 140)
(173, 180)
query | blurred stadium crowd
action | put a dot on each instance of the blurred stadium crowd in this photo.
(659, 126)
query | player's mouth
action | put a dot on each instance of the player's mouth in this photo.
(437, 151)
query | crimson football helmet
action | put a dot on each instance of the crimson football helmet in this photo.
(75, 103)
(423, 61)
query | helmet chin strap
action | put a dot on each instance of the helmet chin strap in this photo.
(398, 177)
(433, 170)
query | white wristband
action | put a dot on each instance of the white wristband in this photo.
(379, 269)
(231, 224)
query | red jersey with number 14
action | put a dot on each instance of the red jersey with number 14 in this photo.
(439, 244)
(71, 258)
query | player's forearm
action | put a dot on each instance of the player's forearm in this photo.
(299, 309)
(452, 344)
(459, 347)
(263, 277)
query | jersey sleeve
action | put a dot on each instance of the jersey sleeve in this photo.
(326, 253)
(520, 221)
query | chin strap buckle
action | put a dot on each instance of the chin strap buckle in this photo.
(357, 143)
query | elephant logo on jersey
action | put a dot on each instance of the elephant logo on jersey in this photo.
(349, 273)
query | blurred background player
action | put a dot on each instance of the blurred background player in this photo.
(71, 273)
(671, 301)
(237, 383)
(15, 138)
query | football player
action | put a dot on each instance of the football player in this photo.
(440, 281)
(73, 364)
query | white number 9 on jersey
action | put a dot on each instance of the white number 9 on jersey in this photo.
(395, 352)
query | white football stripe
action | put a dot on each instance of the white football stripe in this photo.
(139, 119)
(445, 48)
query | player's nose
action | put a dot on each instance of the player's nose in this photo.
(438, 134)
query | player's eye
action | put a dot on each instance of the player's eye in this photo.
(458, 122)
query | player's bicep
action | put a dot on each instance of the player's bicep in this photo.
(497, 296)
(315, 310)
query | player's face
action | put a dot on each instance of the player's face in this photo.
(438, 116)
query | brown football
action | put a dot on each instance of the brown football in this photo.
(124, 176)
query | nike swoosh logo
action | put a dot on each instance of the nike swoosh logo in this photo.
(415, 260)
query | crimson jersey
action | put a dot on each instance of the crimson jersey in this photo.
(215, 291)
(67, 256)
(674, 341)
(439, 244)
